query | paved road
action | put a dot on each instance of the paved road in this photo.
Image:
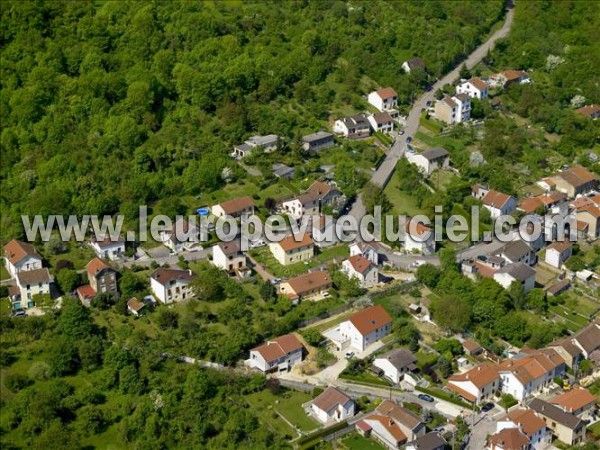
(171, 260)
(386, 169)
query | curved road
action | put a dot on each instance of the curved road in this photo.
(382, 175)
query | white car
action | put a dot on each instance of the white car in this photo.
(349, 355)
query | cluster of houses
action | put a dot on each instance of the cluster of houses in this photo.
(527, 376)
(571, 193)
(457, 108)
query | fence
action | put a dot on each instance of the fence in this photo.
(332, 312)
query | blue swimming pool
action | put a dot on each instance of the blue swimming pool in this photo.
(204, 211)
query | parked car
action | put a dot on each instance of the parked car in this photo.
(426, 398)
(18, 312)
(276, 281)
(408, 139)
(487, 407)
(349, 355)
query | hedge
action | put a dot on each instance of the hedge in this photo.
(311, 439)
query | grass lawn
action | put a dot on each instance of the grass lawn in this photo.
(289, 404)
(4, 275)
(78, 254)
(333, 322)
(355, 441)
(402, 202)
(365, 377)
(573, 321)
(265, 257)
(595, 429)
(440, 178)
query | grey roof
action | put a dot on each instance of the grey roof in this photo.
(519, 271)
(281, 170)
(317, 136)
(243, 147)
(515, 250)
(559, 287)
(588, 338)
(269, 139)
(435, 153)
(401, 359)
(382, 117)
(463, 97)
(555, 413)
(353, 121)
(416, 63)
(34, 276)
(429, 441)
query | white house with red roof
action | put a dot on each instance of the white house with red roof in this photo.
(418, 238)
(171, 285)
(361, 268)
(278, 354)
(474, 88)
(366, 250)
(21, 256)
(532, 426)
(476, 385)
(361, 329)
(499, 204)
(332, 406)
(384, 99)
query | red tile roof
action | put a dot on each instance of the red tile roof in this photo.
(530, 423)
(359, 263)
(86, 291)
(237, 205)
(480, 376)
(509, 439)
(278, 347)
(95, 266)
(386, 93)
(574, 400)
(163, 276)
(15, 251)
(319, 279)
(370, 319)
(330, 398)
(495, 199)
(292, 242)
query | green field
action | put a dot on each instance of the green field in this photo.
(288, 403)
(402, 202)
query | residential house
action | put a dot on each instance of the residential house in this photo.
(568, 428)
(590, 215)
(479, 191)
(516, 272)
(21, 256)
(85, 294)
(236, 208)
(509, 439)
(282, 171)
(588, 338)
(267, 143)
(319, 194)
(332, 406)
(591, 111)
(477, 385)
(293, 249)
(577, 401)
(171, 285)
(228, 256)
(557, 253)
(413, 64)
(429, 441)
(447, 111)
(352, 127)
(485, 266)
(362, 329)
(307, 286)
(464, 104)
(31, 283)
(108, 248)
(384, 99)
(409, 423)
(317, 141)
(517, 251)
(135, 307)
(508, 77)
(418, 238)
(551, 202)
(530, 425)
(573, 182)
(278, 354)
(181, 236)
(530, 374)
(361, 268)
(430, 160)
(381, 122)
(365, 250)
(101, 276)
(396, 363)
(498, 204)
(474, 88)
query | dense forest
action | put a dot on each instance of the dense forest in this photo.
(109, 105)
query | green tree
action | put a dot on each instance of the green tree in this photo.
(68, 280)
(429, 275)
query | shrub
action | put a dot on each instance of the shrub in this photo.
(15, 382)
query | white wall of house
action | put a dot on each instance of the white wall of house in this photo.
(173, 292)
(369, 253)
(481, 394)
(293, 256)
(257, 361)
(29, 291)
(426, 247)
(357, 340)
(389, 370)
(506, 280)
(469, 88)
(27, 263)
(556, 258)
(336, 414)
(367, 279)
(227, 262)
(112, 251)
